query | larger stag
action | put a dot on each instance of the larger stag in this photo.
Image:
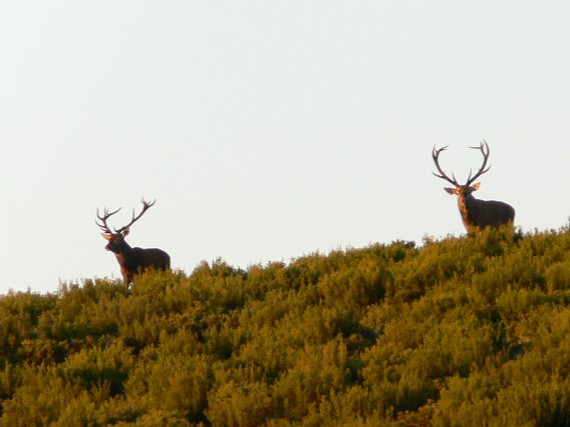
(476, 214)
(131, 260)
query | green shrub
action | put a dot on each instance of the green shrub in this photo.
(460, 331)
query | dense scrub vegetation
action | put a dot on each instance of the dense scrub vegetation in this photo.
(464, 331)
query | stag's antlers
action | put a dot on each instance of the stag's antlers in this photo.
(103, 225)
(483, 147)
(485, 151)
(146, 205)
(435, 156)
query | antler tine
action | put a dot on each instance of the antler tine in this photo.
(435, 155)
(484, 148)
(146, 205)
(103, 226)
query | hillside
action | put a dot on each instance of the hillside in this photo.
(463, 331)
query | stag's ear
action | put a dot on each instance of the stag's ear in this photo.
(107, 236)
(476, 186)
(125, 232)
(450, 190)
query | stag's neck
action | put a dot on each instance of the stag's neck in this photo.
(125, 249)
(124, 253)
(465, 204)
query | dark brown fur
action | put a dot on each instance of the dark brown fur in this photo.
(135, 260)
(479, 214)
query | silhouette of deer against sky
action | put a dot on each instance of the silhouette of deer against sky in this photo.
(476, 214)
(131, 260)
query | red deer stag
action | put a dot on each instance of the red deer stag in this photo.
(131, 260)
(476, 214)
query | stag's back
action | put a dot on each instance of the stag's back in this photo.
(152, 258)
(490, 213)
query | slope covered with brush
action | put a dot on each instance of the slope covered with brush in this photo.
(462, 331)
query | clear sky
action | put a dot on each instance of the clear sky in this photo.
(268, 130)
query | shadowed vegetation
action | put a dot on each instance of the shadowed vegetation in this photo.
(461, 331)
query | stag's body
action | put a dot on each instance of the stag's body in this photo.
(137, 260)
(476, 214)
(132, 260)
(479, 214)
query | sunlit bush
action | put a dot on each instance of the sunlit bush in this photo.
(461, 331)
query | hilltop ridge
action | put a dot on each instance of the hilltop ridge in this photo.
(461, 331)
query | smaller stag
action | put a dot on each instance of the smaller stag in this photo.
(131, 260)
(476, 214)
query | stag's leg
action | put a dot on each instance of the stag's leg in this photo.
(127, 276)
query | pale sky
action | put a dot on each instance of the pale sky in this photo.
(269, 130)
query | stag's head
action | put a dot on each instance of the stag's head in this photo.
(462, 190)
(116, 238)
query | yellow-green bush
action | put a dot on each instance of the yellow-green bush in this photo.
(462, 331)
